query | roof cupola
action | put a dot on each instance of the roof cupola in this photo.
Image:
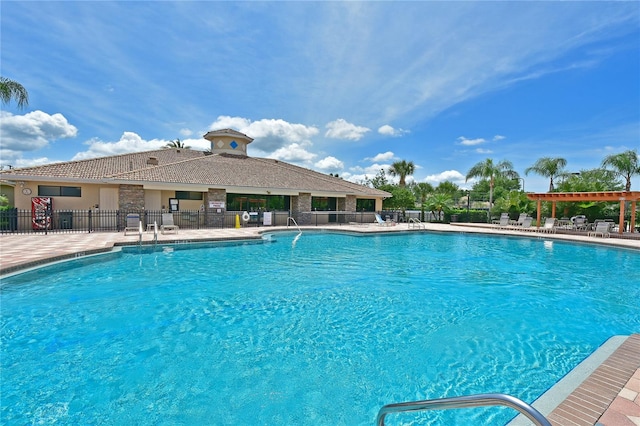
(228, 141)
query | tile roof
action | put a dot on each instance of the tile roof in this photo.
(192, 167)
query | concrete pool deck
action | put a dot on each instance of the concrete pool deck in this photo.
(604, 390)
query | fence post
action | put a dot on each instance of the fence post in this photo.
(90, 219)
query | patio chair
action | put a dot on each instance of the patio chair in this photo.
(380, 221)
(133, 223)
(520, 220)
(503, 221)
(167, 223)
(549, 225)
(580, 223)
(603, 228)
(526, 225)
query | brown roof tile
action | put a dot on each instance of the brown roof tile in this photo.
(184, 166)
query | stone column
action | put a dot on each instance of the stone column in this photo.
(212, 217)
(130, 200)
(301, 208)
(350, 206)
(131, 197)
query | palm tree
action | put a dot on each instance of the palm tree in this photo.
(625, 164)
(10, 89)
(488, 170)
(402, 169)
(548, 167)
(438, 203)
(177, 144)
(422, 190)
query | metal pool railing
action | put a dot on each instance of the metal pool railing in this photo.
(479, 400)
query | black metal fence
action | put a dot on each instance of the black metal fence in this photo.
(18, 221)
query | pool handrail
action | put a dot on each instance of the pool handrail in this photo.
(294, 222)
(415, 223)
(478, 400)
(155, 232)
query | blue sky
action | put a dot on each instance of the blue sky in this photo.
(338, 87)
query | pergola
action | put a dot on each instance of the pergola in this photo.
(620, 196)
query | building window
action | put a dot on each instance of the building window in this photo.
(252, 202)
(59, 191)
(188, 195)
(365, 205)
(324, 204)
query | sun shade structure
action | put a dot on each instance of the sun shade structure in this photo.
(572, 197)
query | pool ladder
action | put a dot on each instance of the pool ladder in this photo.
(414, 223)
(295, 240)
(290, 219)
(479, 400)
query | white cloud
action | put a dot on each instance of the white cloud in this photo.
(270, 135)
(498, 138)
(390, 131)
(132, 142)
(129, 142)
(384, 156)
(470, 142)
(341, 129)
(453, 176)
(359, 174)
(483, 151)
(330, 164)
(294, 153)
(186, 132)
(32, 131)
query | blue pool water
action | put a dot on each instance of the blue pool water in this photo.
(321, 331)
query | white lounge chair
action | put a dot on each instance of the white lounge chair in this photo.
(549, 225)
(167, 223)
(526, 225)
(503, 221)
(383, 222)
(602, 228)
(520, 220)
(133, 223)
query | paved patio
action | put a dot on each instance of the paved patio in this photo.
(610, 396)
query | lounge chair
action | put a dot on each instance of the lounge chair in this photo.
(383, 222)
(520, 220)
(133, 223)
(580, 223)
(549, 225)
(503, 221)
(167, 223)
(526, 225)
(602, 228)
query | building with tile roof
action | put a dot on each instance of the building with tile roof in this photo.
(176, 179)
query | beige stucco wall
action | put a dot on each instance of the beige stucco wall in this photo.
(90, 196)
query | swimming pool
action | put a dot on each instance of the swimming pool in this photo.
(325, 330)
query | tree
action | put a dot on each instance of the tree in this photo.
(488, 170)
(439, 203)
(402, 169)
(548, 167)
(177, 144)
(421, 191)
(447, 187)
(401, 199)
(10, 89)
(378, 181)
(594, 180)
(625, 164)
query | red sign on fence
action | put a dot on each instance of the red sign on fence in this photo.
(41, 208)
